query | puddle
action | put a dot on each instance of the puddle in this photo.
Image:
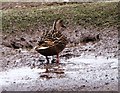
(19, 75)
(94, 61)
(75, 71)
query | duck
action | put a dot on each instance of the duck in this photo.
(53, 42)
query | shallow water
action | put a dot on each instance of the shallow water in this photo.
(78, 73)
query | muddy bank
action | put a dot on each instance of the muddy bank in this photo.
(106, 46)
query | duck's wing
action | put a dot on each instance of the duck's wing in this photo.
(52, 38)
(44, 45)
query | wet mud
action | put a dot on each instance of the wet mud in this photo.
(84, 66)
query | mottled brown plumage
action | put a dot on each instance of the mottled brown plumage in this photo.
(52, 42)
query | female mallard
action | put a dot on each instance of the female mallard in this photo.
(53, 42)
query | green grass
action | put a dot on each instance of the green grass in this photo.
(86, 14)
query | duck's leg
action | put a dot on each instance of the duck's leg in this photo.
(57, 61)
(47, 59)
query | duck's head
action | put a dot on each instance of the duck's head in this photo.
(58, 24)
